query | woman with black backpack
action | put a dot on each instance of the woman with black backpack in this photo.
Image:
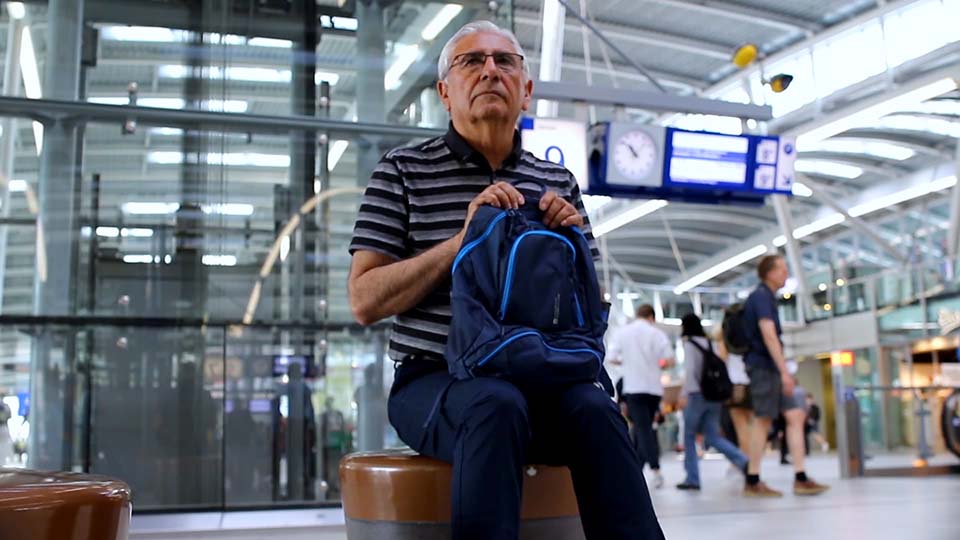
(706, 386)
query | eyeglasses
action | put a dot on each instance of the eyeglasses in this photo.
(473, 61)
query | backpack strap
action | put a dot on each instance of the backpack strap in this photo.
(697, 345)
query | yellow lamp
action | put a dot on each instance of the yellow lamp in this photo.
(745, 55)
(780, 82)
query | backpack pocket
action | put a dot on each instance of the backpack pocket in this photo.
(540, 287)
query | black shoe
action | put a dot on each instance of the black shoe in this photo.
(687, 486)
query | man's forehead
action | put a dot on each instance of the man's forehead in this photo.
(487, 42)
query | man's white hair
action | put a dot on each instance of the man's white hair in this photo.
(443, 64)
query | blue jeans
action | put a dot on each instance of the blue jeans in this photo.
(489, 430)
(702, 416)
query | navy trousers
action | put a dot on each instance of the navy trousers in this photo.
(488, 430)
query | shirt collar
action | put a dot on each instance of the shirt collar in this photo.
(462, 149)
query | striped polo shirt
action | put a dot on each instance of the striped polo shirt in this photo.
(418, 197)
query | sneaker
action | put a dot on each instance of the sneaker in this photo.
(657, 479)
(760, 490)
(687, 486)
(808, 488)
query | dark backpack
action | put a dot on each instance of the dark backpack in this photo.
(715, 382)
(526, 303)
(734, 330)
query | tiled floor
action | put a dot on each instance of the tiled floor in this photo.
(861, 509)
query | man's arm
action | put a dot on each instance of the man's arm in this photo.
(667, 356)
(380, 287)
(769, 332)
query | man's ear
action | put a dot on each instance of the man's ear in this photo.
(442, 89)
(527, 95)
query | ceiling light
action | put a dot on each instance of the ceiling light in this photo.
(818, 225)
(219, 260)
(822, 287)
(593, 203)
(868, 116)
(136, 232)
(937, 126)
(17, 186)
(886, 201)
(149, 208)
(336, 152)
(801, 190)
(632, 214)
(252, 74)
(270, 43)
(721, 267)
(440, 21)
(229, 209)
(404, 57)
(780, 241)
(108, 232)
(16, 10)
(138, 259)
(879, 149)
(245, 159)
(827, 168)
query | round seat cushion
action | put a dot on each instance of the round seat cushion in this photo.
(406, 495)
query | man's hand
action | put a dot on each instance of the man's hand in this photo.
(499, 195)
(557, 212)
(788, 384)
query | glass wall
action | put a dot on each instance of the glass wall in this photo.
(176, 210)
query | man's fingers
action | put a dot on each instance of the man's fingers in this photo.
(575, 220)
(512, 192)
(551, 213)
(547, 200)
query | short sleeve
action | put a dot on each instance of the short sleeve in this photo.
(383, 220)
(764, 309)
(577, 201)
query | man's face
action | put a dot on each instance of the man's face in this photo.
(779, 274)
(476, 92)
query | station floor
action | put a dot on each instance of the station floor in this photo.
(925, 508)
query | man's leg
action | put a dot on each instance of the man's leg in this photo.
(481, 427)
(650, 446)
(758, 441)
(635, 411)
(793, 436)
(711, 432)
(692, 414)
(581, 427)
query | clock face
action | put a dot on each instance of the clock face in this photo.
(635, 155)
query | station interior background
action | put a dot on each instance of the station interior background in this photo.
(171, 315)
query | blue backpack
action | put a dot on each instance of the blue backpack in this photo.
(526, 303)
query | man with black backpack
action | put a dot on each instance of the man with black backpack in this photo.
(413, 219)
(771, 384)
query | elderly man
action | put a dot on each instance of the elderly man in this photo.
(411, 224)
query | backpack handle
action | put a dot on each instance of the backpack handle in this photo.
(541, 185)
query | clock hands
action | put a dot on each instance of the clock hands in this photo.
(632, 151)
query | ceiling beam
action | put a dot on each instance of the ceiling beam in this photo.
(627, 34)
(765, 17)
(624, 72)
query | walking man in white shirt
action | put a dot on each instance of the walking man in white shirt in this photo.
(643, 351)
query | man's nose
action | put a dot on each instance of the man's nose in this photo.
(490, 69)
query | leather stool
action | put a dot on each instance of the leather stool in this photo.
(400, 495)
(62, 505)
